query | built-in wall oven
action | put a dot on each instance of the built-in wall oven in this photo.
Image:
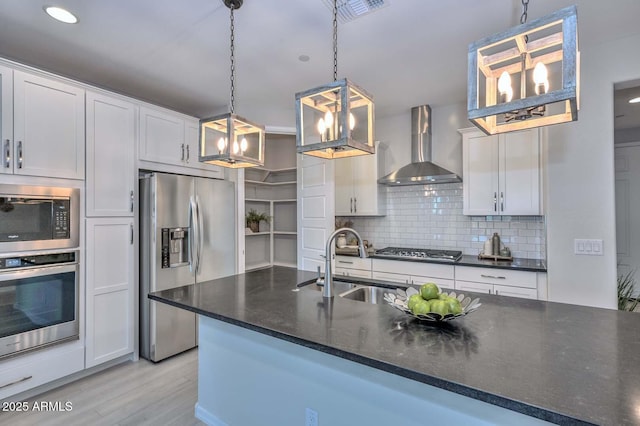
(38, 301)
(38, 218)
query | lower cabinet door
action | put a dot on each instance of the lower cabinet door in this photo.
(110, 289)
(527, 293)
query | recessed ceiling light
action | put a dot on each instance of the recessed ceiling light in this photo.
(634, 100)
(61, 14)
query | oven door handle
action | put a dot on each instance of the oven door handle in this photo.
(36, 271)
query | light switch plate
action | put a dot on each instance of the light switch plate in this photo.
(588, 247)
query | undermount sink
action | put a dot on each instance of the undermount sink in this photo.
(367, 294)
(360, 291)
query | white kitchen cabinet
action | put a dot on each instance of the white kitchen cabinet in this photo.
(167, 137)
(110, 290)
(503, 282)
(352, 266)
(501, 173)
(6, 119)
(48, 130)
(413, 273)
(111, 137)
(356, 188)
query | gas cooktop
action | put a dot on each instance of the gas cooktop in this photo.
(413, 253)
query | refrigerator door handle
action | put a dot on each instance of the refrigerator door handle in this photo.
(200, 240)
(192, 233)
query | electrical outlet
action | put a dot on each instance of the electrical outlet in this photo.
(311, 417)
(588, 247)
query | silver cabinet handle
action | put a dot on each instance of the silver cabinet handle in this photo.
(496, 292)
(495, 201)
(131, 200)
(182, 154)
(355, 205)
(342, 261)
(19, 154)
(131, 229)
(493, 276)
(502, 201)
(7, 153)
(24, 379)
(188, 153)
(351, 204)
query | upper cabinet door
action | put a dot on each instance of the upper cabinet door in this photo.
(6, 119)
(48, 127)
(480, 169)
(520, 173)
(344, 186)
(162, 137)
(111, 137)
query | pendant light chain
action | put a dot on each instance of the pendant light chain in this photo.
(525, 7)
(335, 40)
(233, 63)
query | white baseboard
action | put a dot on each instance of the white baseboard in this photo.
(208, 418)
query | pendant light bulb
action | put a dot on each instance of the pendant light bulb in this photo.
(236, 147)
(540, 78)
(243, 145)
(321, 126)
(328, 119)
(352, 121)
(504, 87)
(222, 144)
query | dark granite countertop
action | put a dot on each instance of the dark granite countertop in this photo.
(518, 263)
(566, 364)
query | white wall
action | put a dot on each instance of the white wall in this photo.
(580, 178)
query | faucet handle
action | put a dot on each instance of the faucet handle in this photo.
(319, 280)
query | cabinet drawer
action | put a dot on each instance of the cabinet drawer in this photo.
(464, 286)
(39, 368)
(443, 284)
(496, 276)
(346, 272)
(353, 262)
(527, 293)
(422, 269)
(396, 278)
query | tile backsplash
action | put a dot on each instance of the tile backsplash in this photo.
(430, 216)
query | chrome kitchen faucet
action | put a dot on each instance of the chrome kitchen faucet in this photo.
(327, 291)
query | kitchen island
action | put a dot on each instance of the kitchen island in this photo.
(268, 352)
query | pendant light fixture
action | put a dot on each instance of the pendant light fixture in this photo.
(541, 58)
(335, 120)
(229, 140)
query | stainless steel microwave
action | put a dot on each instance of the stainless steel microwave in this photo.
(38, 218)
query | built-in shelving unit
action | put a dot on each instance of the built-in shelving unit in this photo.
(272, 190)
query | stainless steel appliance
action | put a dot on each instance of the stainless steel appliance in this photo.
(38, 218)
(187, 236)
(38, 301)
(414, 253)
(422, 170)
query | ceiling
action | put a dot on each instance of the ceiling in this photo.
(176, 53)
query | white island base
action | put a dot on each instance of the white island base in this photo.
(249, 378)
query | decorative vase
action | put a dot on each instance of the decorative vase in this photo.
(254, 226)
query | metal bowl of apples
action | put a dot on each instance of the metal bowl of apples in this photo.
(430, 304)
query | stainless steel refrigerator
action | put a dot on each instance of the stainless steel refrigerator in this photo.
(187, 236)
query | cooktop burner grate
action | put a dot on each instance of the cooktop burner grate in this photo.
(414, 253)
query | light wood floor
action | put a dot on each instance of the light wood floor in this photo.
(134, 393)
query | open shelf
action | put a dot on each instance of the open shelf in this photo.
(273, 190)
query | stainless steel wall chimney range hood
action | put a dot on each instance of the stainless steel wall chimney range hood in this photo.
(421, 171)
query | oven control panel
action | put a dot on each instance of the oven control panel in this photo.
(37, 260)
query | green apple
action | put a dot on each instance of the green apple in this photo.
(439, 307)
(413, 299)
(443, 296)
(429, 291)
(454, 305)
(421, 308)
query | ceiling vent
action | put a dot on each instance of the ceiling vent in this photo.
(348, 10)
